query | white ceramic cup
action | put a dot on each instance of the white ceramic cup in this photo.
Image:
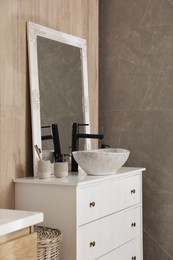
(43, 169)
(61, 169)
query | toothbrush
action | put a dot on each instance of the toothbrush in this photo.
(38, 152)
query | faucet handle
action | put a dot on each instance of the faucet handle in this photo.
(83, 124)
(80, 124)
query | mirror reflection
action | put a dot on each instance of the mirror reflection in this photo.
(60, 84)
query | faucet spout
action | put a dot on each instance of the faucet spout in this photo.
(75, 142)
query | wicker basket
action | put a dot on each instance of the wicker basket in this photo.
(48, 243)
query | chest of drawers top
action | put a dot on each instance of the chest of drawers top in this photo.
(81, 179)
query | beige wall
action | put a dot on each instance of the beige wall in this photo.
(136, 104)
(77, 17)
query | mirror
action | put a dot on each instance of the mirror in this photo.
(58, 86)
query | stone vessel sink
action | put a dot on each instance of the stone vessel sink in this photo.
(101, 161)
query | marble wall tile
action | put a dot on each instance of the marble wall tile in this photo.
(136, 104)
(152, 250)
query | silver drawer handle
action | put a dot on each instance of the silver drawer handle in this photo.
(133, 191)
(133, 224)
(92, 204)
(133, 257)
(92, 244)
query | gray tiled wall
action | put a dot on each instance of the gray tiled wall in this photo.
(136, 104)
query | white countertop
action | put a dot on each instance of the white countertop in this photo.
(14, 220)
(79, 179)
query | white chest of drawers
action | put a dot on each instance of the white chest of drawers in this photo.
(100, 216)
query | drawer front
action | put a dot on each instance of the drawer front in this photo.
(24, 248)
(102, 236)
(129, 251)
(106, 198)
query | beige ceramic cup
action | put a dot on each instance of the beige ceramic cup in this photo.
(43, 169)
(61, 169)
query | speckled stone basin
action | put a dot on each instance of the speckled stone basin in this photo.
(101, 161)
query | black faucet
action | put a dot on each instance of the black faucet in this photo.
(75, 142)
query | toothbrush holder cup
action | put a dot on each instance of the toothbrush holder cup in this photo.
(43, 169)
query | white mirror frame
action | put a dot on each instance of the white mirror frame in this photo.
(34, 30)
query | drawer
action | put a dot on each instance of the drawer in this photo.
(106, 198)
(102, 236)
(24, 247)
(129, 251)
